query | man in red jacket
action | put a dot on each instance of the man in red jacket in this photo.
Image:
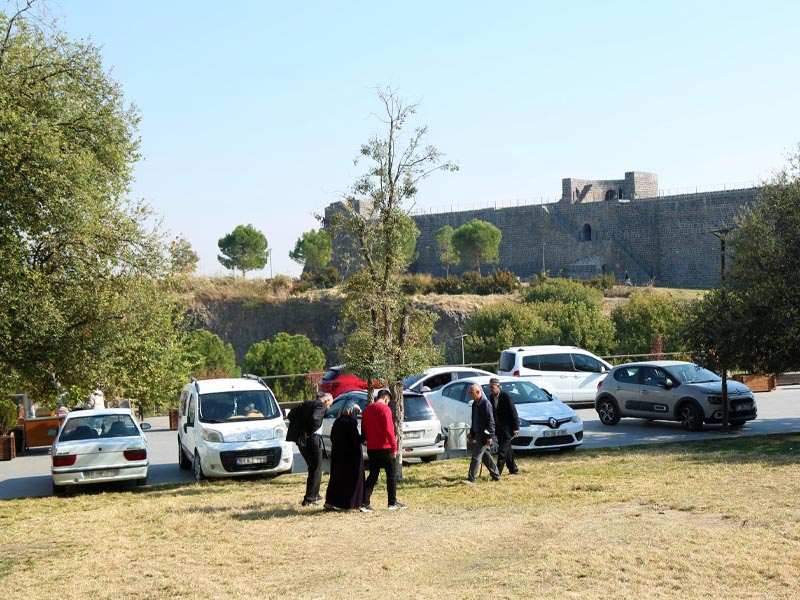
(377, 428)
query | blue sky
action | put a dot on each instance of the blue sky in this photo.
(252, 111)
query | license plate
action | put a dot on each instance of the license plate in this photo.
(101, 474)
(251, 460)
(743, 406)
(413, 435)
(554, 432)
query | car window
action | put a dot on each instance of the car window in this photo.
(416, 408)
(587, 364)
(338, 405)
(190, 409)
(409, 382)
(467, 373)
(507, 360)
(653, 376)
(436, 381)
(694, 374)
(627, 374)
(238, 405)
(103, 426)
(531, 362)
(555, 362)
(457, 391)
(332, 374)
(521, 392)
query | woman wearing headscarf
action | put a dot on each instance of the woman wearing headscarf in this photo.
(346, 483)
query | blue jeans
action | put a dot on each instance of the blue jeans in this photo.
(482, 453)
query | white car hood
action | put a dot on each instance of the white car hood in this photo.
(544, 410)
(247, 431)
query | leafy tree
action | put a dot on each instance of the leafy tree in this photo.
(286, 355)
(448, 255)
(478, 242)
(86, 297)
(494, 328)
(211, 356)
(409, 233)
(577, 324)
(387, 338)
(183, 258)
(646, 318)
(563, 290)
(313, 249)
(245, 249)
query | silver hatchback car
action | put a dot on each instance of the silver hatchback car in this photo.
(671, 391)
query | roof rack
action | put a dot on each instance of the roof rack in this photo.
(255, 378)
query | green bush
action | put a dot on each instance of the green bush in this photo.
(211, 356)
(646, 318)
(602, 282)
(499, 326)
(501, 281)
(286, 355)
(8, 415)
(417, 283)
(577, 324)
(563, 290)
(448, 285)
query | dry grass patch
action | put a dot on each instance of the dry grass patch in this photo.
(711, 520)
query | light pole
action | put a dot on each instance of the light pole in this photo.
(543, 269)
(721, 234)
(461, 337)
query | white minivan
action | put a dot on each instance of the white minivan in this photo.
(230, 427)
(568, 372)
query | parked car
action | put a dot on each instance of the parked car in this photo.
(95, 446)
(230, 427)
(671, 391)
(337, 380)
(568, 372)
(422, 430)
(544, 421)
(435, 377)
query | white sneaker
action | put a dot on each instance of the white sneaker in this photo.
(397, 506)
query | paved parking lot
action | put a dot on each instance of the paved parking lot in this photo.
(778, 412)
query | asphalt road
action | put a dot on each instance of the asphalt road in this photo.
(778, 412)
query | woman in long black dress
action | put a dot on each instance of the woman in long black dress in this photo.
(346, 483)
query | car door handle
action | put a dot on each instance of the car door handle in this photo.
(644, 392)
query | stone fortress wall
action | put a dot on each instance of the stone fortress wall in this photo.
(603, 226)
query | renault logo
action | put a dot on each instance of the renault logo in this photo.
(552, 422)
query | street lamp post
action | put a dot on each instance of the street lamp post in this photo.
(721, 234)
(461, 337)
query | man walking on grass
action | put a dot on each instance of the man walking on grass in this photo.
(377, 428)
(506, 423)
(481, 435)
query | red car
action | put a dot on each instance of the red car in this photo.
(338, 381)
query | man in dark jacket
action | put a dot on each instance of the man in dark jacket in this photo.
(305, 429)
(506, 423)
(481, 435)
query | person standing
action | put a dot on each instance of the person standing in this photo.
(305, 429)
(506, 422)
(481, 434)
(346, 484)
(377, 428)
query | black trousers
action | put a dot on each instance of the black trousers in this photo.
(505, 455)
(381, 459)
(312, 454)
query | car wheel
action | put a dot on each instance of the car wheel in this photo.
(197, 468)
(691, 417)
(183, 461)
(427, 459)
(608, 411)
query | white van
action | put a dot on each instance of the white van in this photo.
(568, 372)
(229, 427)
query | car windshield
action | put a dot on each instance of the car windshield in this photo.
(232, 406)
(102, 426)
(416, 408)
(694, 374)
(521, 392)
(332, 374)
(410, 381)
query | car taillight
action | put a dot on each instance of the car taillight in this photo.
(64, 460)
(599, 384)
(516, 373)
(136, 454)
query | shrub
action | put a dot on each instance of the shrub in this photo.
(647, 317)
(448, 285)
(563, 290)
(602, 282)
(211, 355)
(502, 281)
(499, 326)
(417, 283)
(577, 324)
(286, 355)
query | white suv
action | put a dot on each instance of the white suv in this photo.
(568, 372)
(229, 427)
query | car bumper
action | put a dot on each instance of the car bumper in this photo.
(104, 474)
(246, 458)
(747, 415)
(414, 451)
(538, 437)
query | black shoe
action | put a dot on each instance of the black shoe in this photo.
(495, 479)
(513, 472)
(307, 502)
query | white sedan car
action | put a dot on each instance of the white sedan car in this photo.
(95, 446)
(544, 421)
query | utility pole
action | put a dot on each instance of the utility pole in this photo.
(721, 234)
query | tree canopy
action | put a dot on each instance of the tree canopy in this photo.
(183, 258)
(448, 255)
(85, 299)
(478, 242)
(212, 357)
(313, 250)
(286, 355)
(243, 249)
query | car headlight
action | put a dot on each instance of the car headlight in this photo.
(212, 435)
(714, 399)
(279, 432)
(524, 423)
(576, 418)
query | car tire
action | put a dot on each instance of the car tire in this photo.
(183, 461)
(691, 417)
(429, 459)
(197, 468)
(608, 411)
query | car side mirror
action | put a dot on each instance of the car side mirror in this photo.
(186, 427)
(146, 426)
(669, 384)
